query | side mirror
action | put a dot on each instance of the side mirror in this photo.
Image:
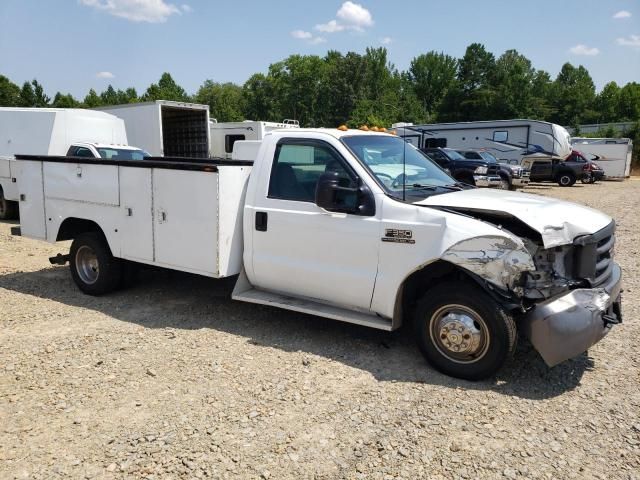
(334, 197)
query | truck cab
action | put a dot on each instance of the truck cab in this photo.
(355, 226)
(108, 151)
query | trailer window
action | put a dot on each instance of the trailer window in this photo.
(297, 168)
(435, 142)
(229, 140)
(500, 136)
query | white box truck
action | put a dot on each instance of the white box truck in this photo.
(355, 226)
(165, 128)
(225, 134)
(612, 154)
(54, 131)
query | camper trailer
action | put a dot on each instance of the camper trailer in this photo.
(225, 134)
(613, 154)
(507, 140)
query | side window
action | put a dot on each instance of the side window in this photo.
(435, 142)
(229, 140)
(297, 168)
(82, 152)
(500, 136)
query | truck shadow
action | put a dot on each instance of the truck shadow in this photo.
(169, 299)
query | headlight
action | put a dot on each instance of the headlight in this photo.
(516, 171)
(481, 170)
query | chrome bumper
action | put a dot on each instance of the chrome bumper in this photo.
(520, 182)
(566, 326)
(485, 181)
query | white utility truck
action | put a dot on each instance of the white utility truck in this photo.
(165, 128)
(55, 131)
(612, 154)
(225, 134)
(509, 140)
(355, 226)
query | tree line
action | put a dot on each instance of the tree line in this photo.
(358, 89)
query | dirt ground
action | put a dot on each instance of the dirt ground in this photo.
(171, 379)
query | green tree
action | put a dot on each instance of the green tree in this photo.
(92, 99)
(629, 102)
(259, 98)
(61, 100)
(475, 84)
(574, 95)
(27, 95)
(166, 89)
(9, 93)
(607, 101)
(541, 95)
(226, 101)
(41, 99)
(513, 84)
(432, 76)
(109, 96)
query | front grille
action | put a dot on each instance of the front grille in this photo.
(593, 258)
(525, 174)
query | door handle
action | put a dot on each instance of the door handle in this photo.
(162, 216)
(261, 221)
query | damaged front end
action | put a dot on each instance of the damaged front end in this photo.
(568, 295)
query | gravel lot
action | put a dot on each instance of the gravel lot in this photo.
(171, 379)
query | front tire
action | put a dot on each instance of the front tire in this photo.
(462, 332)
(566, 179)
(93, 269)
(504, 183)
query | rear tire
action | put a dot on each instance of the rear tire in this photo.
(8, 208)
(463, 332)
(566, 179)
(93, 269)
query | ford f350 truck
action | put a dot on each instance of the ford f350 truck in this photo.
(355, 226)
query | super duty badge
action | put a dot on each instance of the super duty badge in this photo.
(398, 236)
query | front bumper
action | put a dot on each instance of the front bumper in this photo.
(566, 326)
(486, 181)
(520, 182)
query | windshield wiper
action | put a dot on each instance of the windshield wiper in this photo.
(435, 187)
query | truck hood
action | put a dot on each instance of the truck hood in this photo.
(557, 221)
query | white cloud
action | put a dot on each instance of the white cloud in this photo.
(330, 27)
(352, 16)
(151, 11)
(355, 15)
(632, 41)
(186, 8)
(105, 75)
(386, 40)
(581, 49)
(307, 36)
(622, 14)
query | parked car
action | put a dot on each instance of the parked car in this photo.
(511, 176)
(593, 171)
(480, 173)
(564, 172)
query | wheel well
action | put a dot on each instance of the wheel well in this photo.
(72, 227)
(421, 281)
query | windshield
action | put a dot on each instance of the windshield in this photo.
(122, 154)
(488, 157)
(453, 155)
(398, 165)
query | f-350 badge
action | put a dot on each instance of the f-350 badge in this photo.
(398, 236)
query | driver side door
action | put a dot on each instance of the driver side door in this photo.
(303, 250)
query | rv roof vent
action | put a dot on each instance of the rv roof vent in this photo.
(289, 121)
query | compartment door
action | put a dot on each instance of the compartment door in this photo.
(136, 212)
(31, 192)
(185, 226)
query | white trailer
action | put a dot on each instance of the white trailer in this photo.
(614, 154)
(225, 134)
(165, 128)
(509, 140)
(50, 131)
(349, 225)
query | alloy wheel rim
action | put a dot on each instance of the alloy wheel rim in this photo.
(87, 265)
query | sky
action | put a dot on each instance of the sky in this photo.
(74, 45)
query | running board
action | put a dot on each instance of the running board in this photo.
(262, 297)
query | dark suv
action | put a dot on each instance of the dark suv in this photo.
(511, 176)
(472, 172)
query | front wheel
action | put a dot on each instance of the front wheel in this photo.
(504, 183)
(463, 332)
(93, 269)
